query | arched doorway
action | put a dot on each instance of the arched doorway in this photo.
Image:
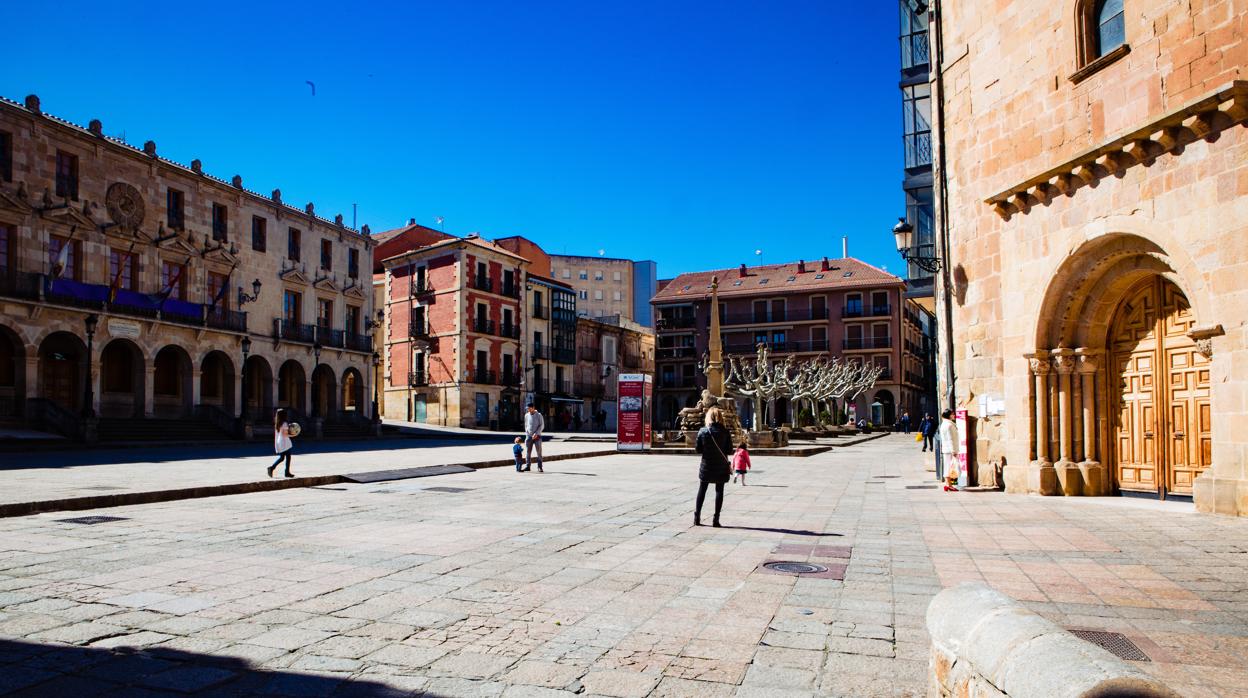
(292, 387)
(352, 392)
(1158, 383)
(216, 382)
(122, 374)
(324, 386)
(667, 414)
(883, 409)
(258, 389)
(12, 374)
(172, 383)
(61, 359)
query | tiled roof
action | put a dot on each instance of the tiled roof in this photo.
(471, 240)
(549, 281)
(387, 235)
(773, 279)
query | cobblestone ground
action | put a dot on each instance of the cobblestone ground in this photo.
(589, 579)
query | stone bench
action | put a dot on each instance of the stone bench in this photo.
(986, 644)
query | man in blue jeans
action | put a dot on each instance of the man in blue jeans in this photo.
(534, 424)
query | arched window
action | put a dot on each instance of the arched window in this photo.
(1110, 27)
(1102, 35)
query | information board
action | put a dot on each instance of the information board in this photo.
(633, 425)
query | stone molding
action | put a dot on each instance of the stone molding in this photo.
(1201, 118)
(986, 644)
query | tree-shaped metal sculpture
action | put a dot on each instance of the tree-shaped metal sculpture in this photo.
(816, 382)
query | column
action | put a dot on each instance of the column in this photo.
(1040, 369)
(1064, 364)
(1087, 368)
(197, 384)
(149, 391)
(32, 387)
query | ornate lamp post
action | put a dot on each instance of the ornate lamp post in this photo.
(903, 234)
(376, 374)
(316, 392)
(244, 299)
(88, 398)
(246, 351)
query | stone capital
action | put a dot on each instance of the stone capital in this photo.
(1064, 361)
(1088, 361)
(1038, 362)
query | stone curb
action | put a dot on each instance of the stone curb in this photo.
(800, 449)
(985, 643)
(104, 501)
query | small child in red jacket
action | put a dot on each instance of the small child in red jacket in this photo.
(740, 463)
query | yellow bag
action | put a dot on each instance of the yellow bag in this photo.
(918, 436)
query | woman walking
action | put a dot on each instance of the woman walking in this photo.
(281, 442)
(714, 443)
(950, 447)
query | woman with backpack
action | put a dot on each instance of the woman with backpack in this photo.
(714, 442)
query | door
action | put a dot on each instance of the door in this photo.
(418, 408)
(60, 380)
(483, 409)
(1162, 432)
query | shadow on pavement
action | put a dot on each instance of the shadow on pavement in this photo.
(787, 531)
(28, 669)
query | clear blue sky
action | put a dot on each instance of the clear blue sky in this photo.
(692, 133)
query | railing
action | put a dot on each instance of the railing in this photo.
(869, 311)
(483, 326)
(787, 315)
(512, 379)
(562, 355)
(539, 385)
(417, 326)
(509, 331)
(485, 378)
(632, 361)
(231, 320)
(590, 353)
(19, 284)
(676, 323)
(675, 353)
(219, 418)
(915, 378)
(417, 378)
(330, 337)
(867, 343)
(677, 383)
(813, 345)
(293, 331)
(511, 290)
(914, 50)
(563, 387)
(918, 148)
(539, 313)
(483, 283)
(53, 417)
(541, 351)
(421, 288)
(359, 342)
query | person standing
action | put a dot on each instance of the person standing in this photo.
(949, 449)
(282, 444)
(714, 443)
(517, 451)
(534, 425)
(927, 428)
(741, 463)
(905, 421)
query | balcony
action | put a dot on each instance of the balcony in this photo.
(671, 382)
(510, 379)
(632, 361)
(563, 355)
(511, 290)
(484, 378)
(481, 326)
(330, 337)
(682, 322)
(866, 343)
(293, 331)
(814, 345)
(417, 328)
(914, 378)
(788, 315)
(675, 353)
(918, 149)
(420, 288)
(417, 379)
(510, 331)
(359, 342)
(590, 353)
(870, 311)
(483, 283)
(540, 313)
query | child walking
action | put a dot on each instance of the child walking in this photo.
(740, 463)
(282, 444)
(517, 450)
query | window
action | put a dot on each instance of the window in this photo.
(778, 338)
(324, 313)
(6, 253)
(615, 276)
(218, 291)
(598, 294)
(327, 254)
(584, 275)
(760, 311)
(778, 313)
(292, 307)
(220, 223)
(482, 316)
(914, 51)
(1102, 35)
(617, 296)
(1110, 26)
(598, 276)
(853, 333)
(173, 280)
(259, 234)
(6, 156)
(174, 208)
(853, 305)
(418, 327)
(583, 294)
(123, 268)
(567, 273)
(879, 303)
(916, 120)
(608, 350)
(483, 272)
(66, 175)
(818, 307)
(353, 263)
(294, 244)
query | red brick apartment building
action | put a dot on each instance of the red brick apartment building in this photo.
(841, 308)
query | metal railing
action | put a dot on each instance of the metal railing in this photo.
(795, 347)
(787, 315)
(561, 355)
(867, 343)
(676, 323)
(511, 331)
(675, 353)
(539, 313)
(867, 311)
(511, 290)
(483, 326)
(293, 331)
(417, 378)
(359, 342)
(483, 283)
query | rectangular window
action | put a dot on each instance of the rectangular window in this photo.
(6, 253)
(584, 275)
(174, 211)
(854, 332)
(615, 276)
(123, 269)
(327, 254)
(259, 234)
(597, 276)
(173, 280)
(353, 263)
(853, 305)
(818, 307)
(292, 307)
(598, 294)
(324, 313)
(66, 175)
(584, 295)
(6, 156)
(482, 316)
(483, 366)
(418, 326)
(218, 291)
(567, 273)
(220, 223)
(294, 244)
(506, 319)
(353, 319)
(917, 124)
(777, 311)
(760, 311)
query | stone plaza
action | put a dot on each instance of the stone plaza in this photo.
(589, 579)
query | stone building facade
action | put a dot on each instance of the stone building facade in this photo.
(841, 308)
(1096, 190)
(607, 286)
(143, 298)
(607, 347)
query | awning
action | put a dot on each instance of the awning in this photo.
(578, 401)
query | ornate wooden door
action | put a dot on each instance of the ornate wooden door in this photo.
(1163, 434)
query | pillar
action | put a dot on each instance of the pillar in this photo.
(149, 390)
(1070, 480)
(1037, 477)
(1095, 479)
(197, 384)
(31, 387)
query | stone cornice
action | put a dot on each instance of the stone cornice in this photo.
(1201, 118)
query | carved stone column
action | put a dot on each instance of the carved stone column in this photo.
(1037, 477)
(1068, 475)
(1040, 369)
(1094, 476)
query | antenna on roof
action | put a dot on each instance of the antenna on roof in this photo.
(440, 219)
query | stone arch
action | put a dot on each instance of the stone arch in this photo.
(172, 382)
(123, 376)
(353, 392)
(12, 374)
(887, 413)
(258, 389)
(324, 389)
(62, 358)
(292, 387)
(216, 381)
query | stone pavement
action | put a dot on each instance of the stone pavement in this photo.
(589, 580)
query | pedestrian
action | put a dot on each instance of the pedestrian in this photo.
(282, 445)
(518, 451)
(741, 463)
(905, 421)
(577, 421)
(534, 425)
(713, 442)
(927, 429)
(949, 449)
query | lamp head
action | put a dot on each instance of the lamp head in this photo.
(91, 321)
(255, 287)
(246, 346)
(902, 234)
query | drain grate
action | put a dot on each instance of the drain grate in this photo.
(448, 489)
(1116, 643)
(92, 520)
(796, 567)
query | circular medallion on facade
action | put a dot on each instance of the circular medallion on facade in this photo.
(125, 205)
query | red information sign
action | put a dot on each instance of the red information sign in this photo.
(633, 430)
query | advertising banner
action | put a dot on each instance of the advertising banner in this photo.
(633, 425)
(959, 418)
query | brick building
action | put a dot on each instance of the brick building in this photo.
(607, 347)
(1095, 189)
(839, 308)
(144, 298)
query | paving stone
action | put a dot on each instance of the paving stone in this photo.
(620, 684)
(288, 638)
(405, 656)
(470, 666)
(539, 673)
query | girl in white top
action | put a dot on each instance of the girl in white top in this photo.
(282, 444)
(949, 449)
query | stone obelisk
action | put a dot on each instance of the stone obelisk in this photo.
(715, 364)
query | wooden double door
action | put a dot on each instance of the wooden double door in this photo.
(1159, 383)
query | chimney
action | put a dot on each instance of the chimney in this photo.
(825, 265)
(411, 221)
(801, 266)
(845, 246)
(742, 272)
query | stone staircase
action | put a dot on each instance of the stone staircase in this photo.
(114, 430)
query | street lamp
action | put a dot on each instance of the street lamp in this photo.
(246, 351)
(903, 234)
(376, 380)
(88, 399)
(316, 388)
(244, 299)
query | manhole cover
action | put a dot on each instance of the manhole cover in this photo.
(1116, 643)
(887, 477)
(796, 567)
(448, 489)
(921, 487)
(104, 488)
(92, 520)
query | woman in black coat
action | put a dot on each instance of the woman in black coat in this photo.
(715, 444)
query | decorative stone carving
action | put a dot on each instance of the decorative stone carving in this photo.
(96, 127)
(125, 206)
(1203, 336)
(149, 148)
(1063, 362)
(1087, 363)
(237, 181)
(196, 166)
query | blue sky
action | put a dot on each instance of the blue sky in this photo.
(691, 133)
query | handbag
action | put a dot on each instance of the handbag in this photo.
(918, 437)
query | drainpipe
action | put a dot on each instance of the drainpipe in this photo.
(943, 182)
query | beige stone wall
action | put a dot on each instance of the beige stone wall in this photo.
(1011, 114)
(568, 269)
